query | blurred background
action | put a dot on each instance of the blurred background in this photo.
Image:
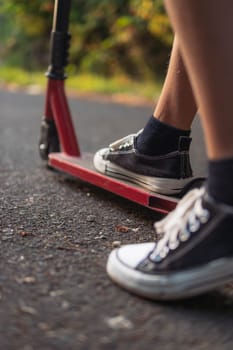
(119, 46)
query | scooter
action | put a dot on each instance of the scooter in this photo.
(58, 144)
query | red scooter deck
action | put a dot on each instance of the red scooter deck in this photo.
(82, 168)
(58, 133)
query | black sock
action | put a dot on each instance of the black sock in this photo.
(220, 180)
(158, 138)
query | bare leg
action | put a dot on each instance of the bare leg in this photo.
(195, 254)
(176, 105)
(165, 138)
(208, 55)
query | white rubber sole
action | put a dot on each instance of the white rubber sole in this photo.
(165, 186)
(172, 286)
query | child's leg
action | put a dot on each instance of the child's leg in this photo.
(195, 254)
(176, 105)
(205, 30)
(165, 139)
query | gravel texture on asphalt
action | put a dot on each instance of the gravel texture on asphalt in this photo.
(56, 234)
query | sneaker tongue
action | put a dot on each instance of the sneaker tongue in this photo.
(215, 206)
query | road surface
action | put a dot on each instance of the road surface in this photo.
(56, 234)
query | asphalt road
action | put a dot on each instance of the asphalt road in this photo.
(56, 234)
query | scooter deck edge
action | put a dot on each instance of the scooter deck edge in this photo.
(82, 168)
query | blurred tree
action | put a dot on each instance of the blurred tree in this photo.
(29, 25)
(130, 37)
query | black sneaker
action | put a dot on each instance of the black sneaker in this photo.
(195, 254)
(166, 174)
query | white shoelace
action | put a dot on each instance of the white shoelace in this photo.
(124, 142)
(178, 226)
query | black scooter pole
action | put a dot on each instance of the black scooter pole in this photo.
(60, 40)
(59, 52)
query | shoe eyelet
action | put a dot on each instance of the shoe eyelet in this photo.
(173, 244)
(164, 252)
(193, 227)
(155, 257)
(205, 216)
(158, 258)
(184, 235)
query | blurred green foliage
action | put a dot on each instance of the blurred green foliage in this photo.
(122, 37)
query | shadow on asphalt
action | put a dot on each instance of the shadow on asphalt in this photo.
(219, 302)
